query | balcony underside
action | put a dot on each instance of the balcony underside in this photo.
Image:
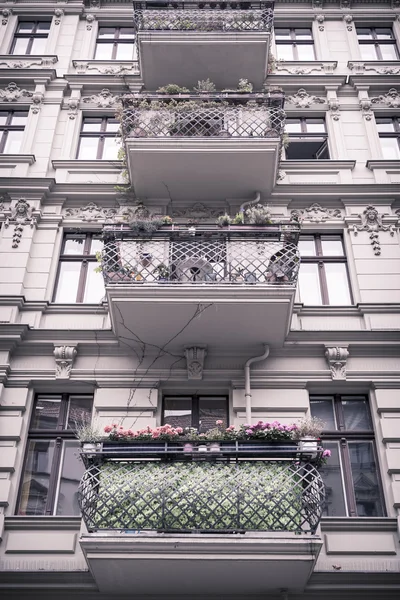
(184, 57)
(233, 315)
(202, 169)
(236, 564)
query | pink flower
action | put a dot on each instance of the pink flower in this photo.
(219, 422)
(108, 428)
(326, 454)
(249, 431)
(179, 430)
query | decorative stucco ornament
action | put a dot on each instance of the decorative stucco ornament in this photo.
(391, 99)
(302, 99)
(198, 212)
(73, 104)
(348, 19)
(6, 13)
(58, 15)
(89, 22)
(195, 356)
(345, 4)
(337, 359)
(103, 99)
(37, 101)
(21, 215)
(334, 108)
(317, 4)
(64, 357)
(90, 212)
(12, 92)
(4, 199)
(371, 221)
(320, 20)
(316, 214)
(365, 105)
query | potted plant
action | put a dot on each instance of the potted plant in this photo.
(162, 272)
(205, 86)
(223, 220)
(308, 432)
(172, 89)
(90, 436)
(258, 215)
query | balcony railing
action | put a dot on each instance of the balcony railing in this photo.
(243, 255)
(192, 15)
(219, 118)
(171, 489)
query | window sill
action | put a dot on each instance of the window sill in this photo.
(24, 523)
(304, 67)
(106, 67)
(27, 61)
(7, 159)
(379, 67)
(365, 524)
(318, 165)
(77, 163)
(383, 164)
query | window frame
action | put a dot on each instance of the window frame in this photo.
(377, 42)
(58, 435)
(294, 42)
(84, 259)
(99, 135)
(195, 409)
(320, 259)
(31, 36)
(8, 126)
(304, 136)
(115, 41)
(343, 436)
(395, 134)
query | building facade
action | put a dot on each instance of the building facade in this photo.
(144, 244)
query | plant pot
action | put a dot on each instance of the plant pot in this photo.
(214, 447)
(91, 448)
(202, 448)
(188, 448)
(309, 446)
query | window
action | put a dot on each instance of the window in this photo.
(323, 277)
(294, 44)
(98, 139)
(351, 473)
(200, 412)
(308, 139)
(78, 279)
(12, 125)
(116, 43)
(389, 135)
(377, 43)
(52, 470)
(31, 37)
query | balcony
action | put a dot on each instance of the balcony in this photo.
(188, 41)
(236, 521)
(213, 148)
(212, 286)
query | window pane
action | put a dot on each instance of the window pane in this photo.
(96, 245)
(178, 412)
(305, 51)
(293, 126)
(210, 411)
(46, 413)
(368, 52)
(332, 246)
(25, 26)
(35, 483)
(356, 413)
(3, 117)
(388, 51)
(284, 52)
(88, 148)
(315, 126)
(384, 34)
(67, 287)
(72, 470)
(338, 284)
(13, 143)
(282, 34)
(91, 125)
(39, 46)
(303, 34)
(104, 51)
(364, 33)
(390, 148)
(323, 409)
(365, 480)
(125, 51)
(126, 33)
(307, 247)
(309, 286)
(106, 33)
(331, 474)
(74, 244)
(20, 46)
(385, 125)
(112, 125)
(94, 289)
(79, 411)
(43, 27)
(19, 118)
(111, 148)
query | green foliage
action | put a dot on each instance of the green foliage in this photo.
(224, 220)
(255, 495)
(258, 215)
(238, 219)
(173, 88)
(205, 85)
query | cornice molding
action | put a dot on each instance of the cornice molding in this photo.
(383, 164)
(317, 165)
(22, 523)
(7, 159)
(350, 524)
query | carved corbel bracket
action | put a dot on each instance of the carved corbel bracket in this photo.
(64, 357)
(371, 221)
(195, 356)
(20, 215)
(337, 358)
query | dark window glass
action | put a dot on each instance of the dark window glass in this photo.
(99, 139)
(12, 125)
(200, 412)
(308, 139)
(52, 468)
(323, 276)
(78, 278)
(30, 37)
(351, 474)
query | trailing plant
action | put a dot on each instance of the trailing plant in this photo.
(223, 220)
(285, 140)
(258, 215)
(172, 89)
(309, 427)
(244, 87)
(88, 431)
(238, 219)
(162, 271)
(205, 85)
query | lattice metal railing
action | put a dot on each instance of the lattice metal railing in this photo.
(202, 496)
(202, 119)
(214, 259)
(204, 16)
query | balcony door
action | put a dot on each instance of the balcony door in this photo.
(200, 412)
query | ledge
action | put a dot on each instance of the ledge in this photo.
(76, 163)
(383, 164)
(380, 67)
(6, 159)
(305, 67)
(23, 61)
(318, 165)
(22, 523)
(367, 524)
(106, 67)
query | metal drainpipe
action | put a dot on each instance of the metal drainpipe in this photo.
(250, 202)
(247, 391)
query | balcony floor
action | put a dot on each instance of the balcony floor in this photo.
(185, 57)
(241, 315)
(236, 564)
